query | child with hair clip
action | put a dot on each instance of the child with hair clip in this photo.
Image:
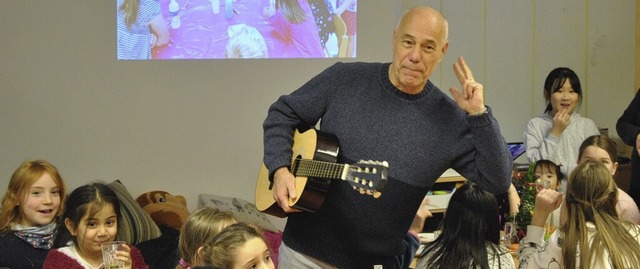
(198, 230)
(470, 234)
(91, 217)
(602, 148)
(238, 246)
(590, 234)
(30, 208)
(293, 21)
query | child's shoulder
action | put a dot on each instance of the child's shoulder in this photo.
(61, 258)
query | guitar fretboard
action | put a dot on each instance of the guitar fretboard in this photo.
(313, 168)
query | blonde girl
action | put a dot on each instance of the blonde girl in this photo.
(601, 148)
(591, 235)
(199, 229)
(238, 246)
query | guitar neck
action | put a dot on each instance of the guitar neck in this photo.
(320, 169)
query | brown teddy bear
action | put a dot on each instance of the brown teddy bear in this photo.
(169, 212)
(164, 208)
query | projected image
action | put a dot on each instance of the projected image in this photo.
(220, 29)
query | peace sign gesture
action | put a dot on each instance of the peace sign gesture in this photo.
(471, 99)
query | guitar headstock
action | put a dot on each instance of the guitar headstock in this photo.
(368, 177)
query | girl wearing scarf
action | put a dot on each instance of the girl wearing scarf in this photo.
(29, 211)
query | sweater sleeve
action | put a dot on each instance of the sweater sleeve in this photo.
(137, 261)
(490, 167)
(627, 125)
(56, 259)
(301, 109)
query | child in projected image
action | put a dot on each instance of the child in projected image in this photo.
(323, 14)
(347, 9)
(140, 27)
(238, 246)
(245, 42)
(91, 217)
(293, 21)
(31, 206)
(198, 230)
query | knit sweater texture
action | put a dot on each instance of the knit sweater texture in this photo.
(420, 136)
(68, 258)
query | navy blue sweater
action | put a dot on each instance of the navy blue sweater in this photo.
(16, 253)
(420, 136)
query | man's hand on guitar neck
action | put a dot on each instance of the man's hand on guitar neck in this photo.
(284, 189)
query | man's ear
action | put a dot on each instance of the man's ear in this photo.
(70, 226)
(444, 51)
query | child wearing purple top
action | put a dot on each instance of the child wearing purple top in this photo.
(293, 21)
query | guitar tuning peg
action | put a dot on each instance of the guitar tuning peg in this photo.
(362, 191)
(374, 170)
(366, 169)
(370, 184)
(369, 192)
(356, 180)
(385, 164)
(376, 194)
(364, 182)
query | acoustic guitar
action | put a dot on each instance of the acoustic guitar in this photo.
(314, 166)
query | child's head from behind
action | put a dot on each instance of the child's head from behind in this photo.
(198, 230)
(245, 42)
(562, 90)
(91, 216)
(591, 190)
(238, 246)
(549, 171)
(472, 214)
(600, 148)
(35, 196)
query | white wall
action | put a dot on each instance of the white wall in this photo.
(191, 127)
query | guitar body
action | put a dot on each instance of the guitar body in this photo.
(311, 191)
